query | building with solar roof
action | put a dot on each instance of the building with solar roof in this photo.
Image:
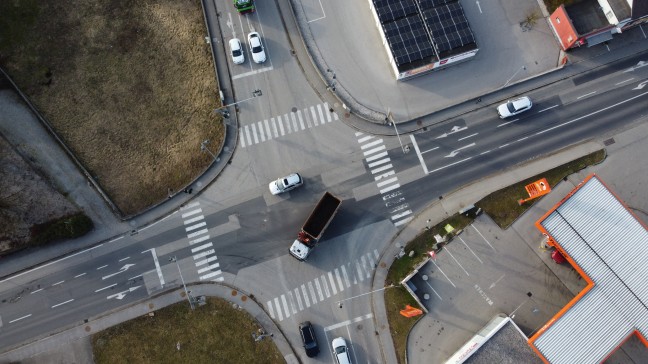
(423, 35)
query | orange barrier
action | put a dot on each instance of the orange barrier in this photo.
(536, 189)
(410, 311)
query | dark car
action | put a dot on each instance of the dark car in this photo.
(308, 338)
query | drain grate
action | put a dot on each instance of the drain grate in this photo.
(608, 142)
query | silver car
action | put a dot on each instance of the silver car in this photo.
(236, 50)
(514, 107)
(286, 184)
(256, 47)
(341, 351)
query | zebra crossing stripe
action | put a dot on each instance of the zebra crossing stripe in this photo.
(325, 285)
(345, 276)
(204, 254)
(299, 302)
(365, 138)
(327, 112)
(335, 116)
(261, 131)
(270, 310)
(401, 222)
(372, 264)
(377, 163)
(196, 226)
(301, 120)
(199, 232)
(321, 114)
(242, 138)
(285, 305)
(374, 157)
(364, 265)
(204, 246)
(402, 214)
(386, 182)
(312, 109)
(267, 126)
(247, 135)
(319, 290)
(374, 150)
(390, 188)
(380, 169)
(358, 133)
(305, 295)
(274, 126)
(376, 254)
(371, 144)
(212, 274)
(200, 239)
(293, 117)
(192, 220)
(384, 175)
(276, 302)
(292, 302)
(192, 212)
(312, 292)
(307, 118)
(205, 261)
(337, 275)
(281, 128)
(218, 279)
(332, 283)
(254, 133)
(359, 270)
(208, 268)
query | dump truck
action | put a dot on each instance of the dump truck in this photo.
(314, 226)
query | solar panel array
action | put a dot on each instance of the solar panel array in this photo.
(417, 30)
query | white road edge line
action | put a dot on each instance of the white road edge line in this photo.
(157, 264)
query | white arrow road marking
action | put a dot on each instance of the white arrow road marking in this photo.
(455, 129)
(121, 295)
(639, 65)
(494, 283)
(122, 270)
(456, 151)
(641, 85)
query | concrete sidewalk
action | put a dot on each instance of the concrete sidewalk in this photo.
(74, 345)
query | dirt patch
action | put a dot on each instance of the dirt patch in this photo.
(128, 85)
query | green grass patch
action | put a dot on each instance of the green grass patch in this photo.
(213, 333)
(69, 227)
(395, 300)
(502, 205)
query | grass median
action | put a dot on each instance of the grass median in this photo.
(502, 206)
(213, 333)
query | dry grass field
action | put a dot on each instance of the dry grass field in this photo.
(129, 86)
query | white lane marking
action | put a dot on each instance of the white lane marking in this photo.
(187, 214)
(380, 169)
(365, 138)
(348, 322)
(192, 220)
(137, 276)
(102, 267)
(312, 292)
(404, 221)
(456, 151)
(305, 295)
(276, 302)
(101, 289)
(374, 157)
(319, 289)
(418, 153)
(157, 265)
(292, 303)
(504, 145)
(622, 82)
(253, 72)
(521, 139)
(473, 253)
(548, 108)
(374, 150)
(115, 239)
(580, 97)
(466, 137)
(325, 285)
(371, 144)
(62, 303)
(345, 276)
(199, 240)
(38, 290)
(480, 234)
(330, 276)
(442, 272)
(487, 151)
(270, 310)
(386, 182)
(202, 247)
(122, 259)
(205, 261)
(430, 150)
(299, 301)
(204, 254)
(508, 122)
(57, 283)
(384, 175)
(447, 250)
(450, 165)
(196, 226)
(377, 163)
(274, 126)
(19, 318)
(199, 232)
(254, 133)
(390, 188)
(433, 290)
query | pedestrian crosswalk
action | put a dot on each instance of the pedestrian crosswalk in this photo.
(280, 125)
(383, 172)
(323, 287)
(201, 248)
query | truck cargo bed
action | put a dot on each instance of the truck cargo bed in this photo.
(321, 216)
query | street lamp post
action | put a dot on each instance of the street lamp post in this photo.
(364, 294)
(516, 72)
(203, 147)
(225, 113)
(175, 259)
(390, 118)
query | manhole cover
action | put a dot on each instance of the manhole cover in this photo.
(294, 109)
(419, 122)
(609, 142)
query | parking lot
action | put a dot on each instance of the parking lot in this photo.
(483, 271)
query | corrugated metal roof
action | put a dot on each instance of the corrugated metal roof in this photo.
(609, 245)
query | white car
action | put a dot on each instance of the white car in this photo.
(236, 50)
(341, 351)
(286, 184)
(256, 47)
(514, 107)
